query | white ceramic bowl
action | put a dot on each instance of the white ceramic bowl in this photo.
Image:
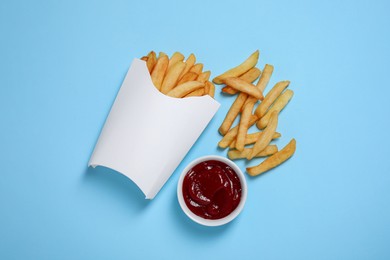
(212, 222)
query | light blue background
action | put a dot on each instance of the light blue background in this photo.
(62, 63)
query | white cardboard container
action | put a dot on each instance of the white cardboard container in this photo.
(147, 134)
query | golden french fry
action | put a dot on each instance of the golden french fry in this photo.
(172, 76)
(197, 68)
(176, 57)
(271, 96)
(189, 63)
(266, 136)
(249, 63)
(278, 106)
(232, 133)
(265, 77)
(159, 71)
(144, 58)
(160, 54)
(245, 87)
(235, 154)
(274, 160)
(196, 93)
(151, 62)
(232, 113)
(204, 76)
(244, 125)
(185, 88)
(189, 76)
(249, 76)
(252, 138)
(210, 86)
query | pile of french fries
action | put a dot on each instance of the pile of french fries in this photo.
(240, 81)
(177, 78)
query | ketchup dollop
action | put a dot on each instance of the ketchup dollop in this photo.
(212, 189)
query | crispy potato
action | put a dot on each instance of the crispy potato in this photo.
(244, 87)
(189, 76)
(159, 71)
(252, 138)
(235, 154)
(265, 77)
(176, 57)
(232, 133)
(185, 88)
(197, 68)
(274, 160)
(278, 106)
(232, 113)
(210, 86)
(144, 58)
(249, 76)
(160, 54)
(272, 95)
(240, 69)
(266, 136)
(204, 76)
(244, 125)
(189, 63)
(196, 93)
(172, 76)
(151, 62)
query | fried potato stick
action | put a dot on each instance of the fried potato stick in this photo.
(204, 76)
(176, 57)
(232, 133)
(232, 113)
(189, 76)
(185, 88)
(249, 63)
(189, 63)
(159, 71)
(211, 87)
(197, 68)
(196, 93)
(244, 125)
(274, 160)
(278, 106)
(265, 77)
(252, 138)
(266, 136)
(245, 87)
(151, 62)
(235, 154)
(172, 76)
(249, 76)
(271, 96)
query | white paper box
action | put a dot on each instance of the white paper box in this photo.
(147, 134)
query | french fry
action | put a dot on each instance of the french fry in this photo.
(235, 154)
(151, 62)
(196, 93)
(249, 63)
(272, 95)
(244, 125)
(265, 137)
(265, 77)
(232, 113)
(278, 106)
(159, 71)
(252, 138)
(232, 133)
(189, 76)
(144, 58)
(211, 87)
(197, 68)
(249, 76)
(204, 76)
(244, 87)
(176, 57)
(172, 76)
(189, 63)
(185, 88)
(160, 54)
(274, 160)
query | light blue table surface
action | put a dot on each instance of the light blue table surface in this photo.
(62, 63)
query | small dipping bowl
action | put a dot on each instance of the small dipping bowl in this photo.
(212, 222)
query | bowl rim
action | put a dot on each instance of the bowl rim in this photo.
(212, 222)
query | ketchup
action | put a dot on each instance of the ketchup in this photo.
(212, 189)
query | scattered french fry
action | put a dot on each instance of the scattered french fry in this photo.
(176, 57)
(244, 87)
(172, 76)
(235, 154)
(278, 106)
(266, 136)
(189, 76)
(252, 138)
(151, 62)
(184, 89)
(159, 71)
(249, 63)
(249, 76)
(232, 113)
(229, 90)
(232, 133)
(272, 95)
(265, 77)
(244, 125)
(274, 160)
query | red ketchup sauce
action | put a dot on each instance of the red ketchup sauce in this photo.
(212, 189)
